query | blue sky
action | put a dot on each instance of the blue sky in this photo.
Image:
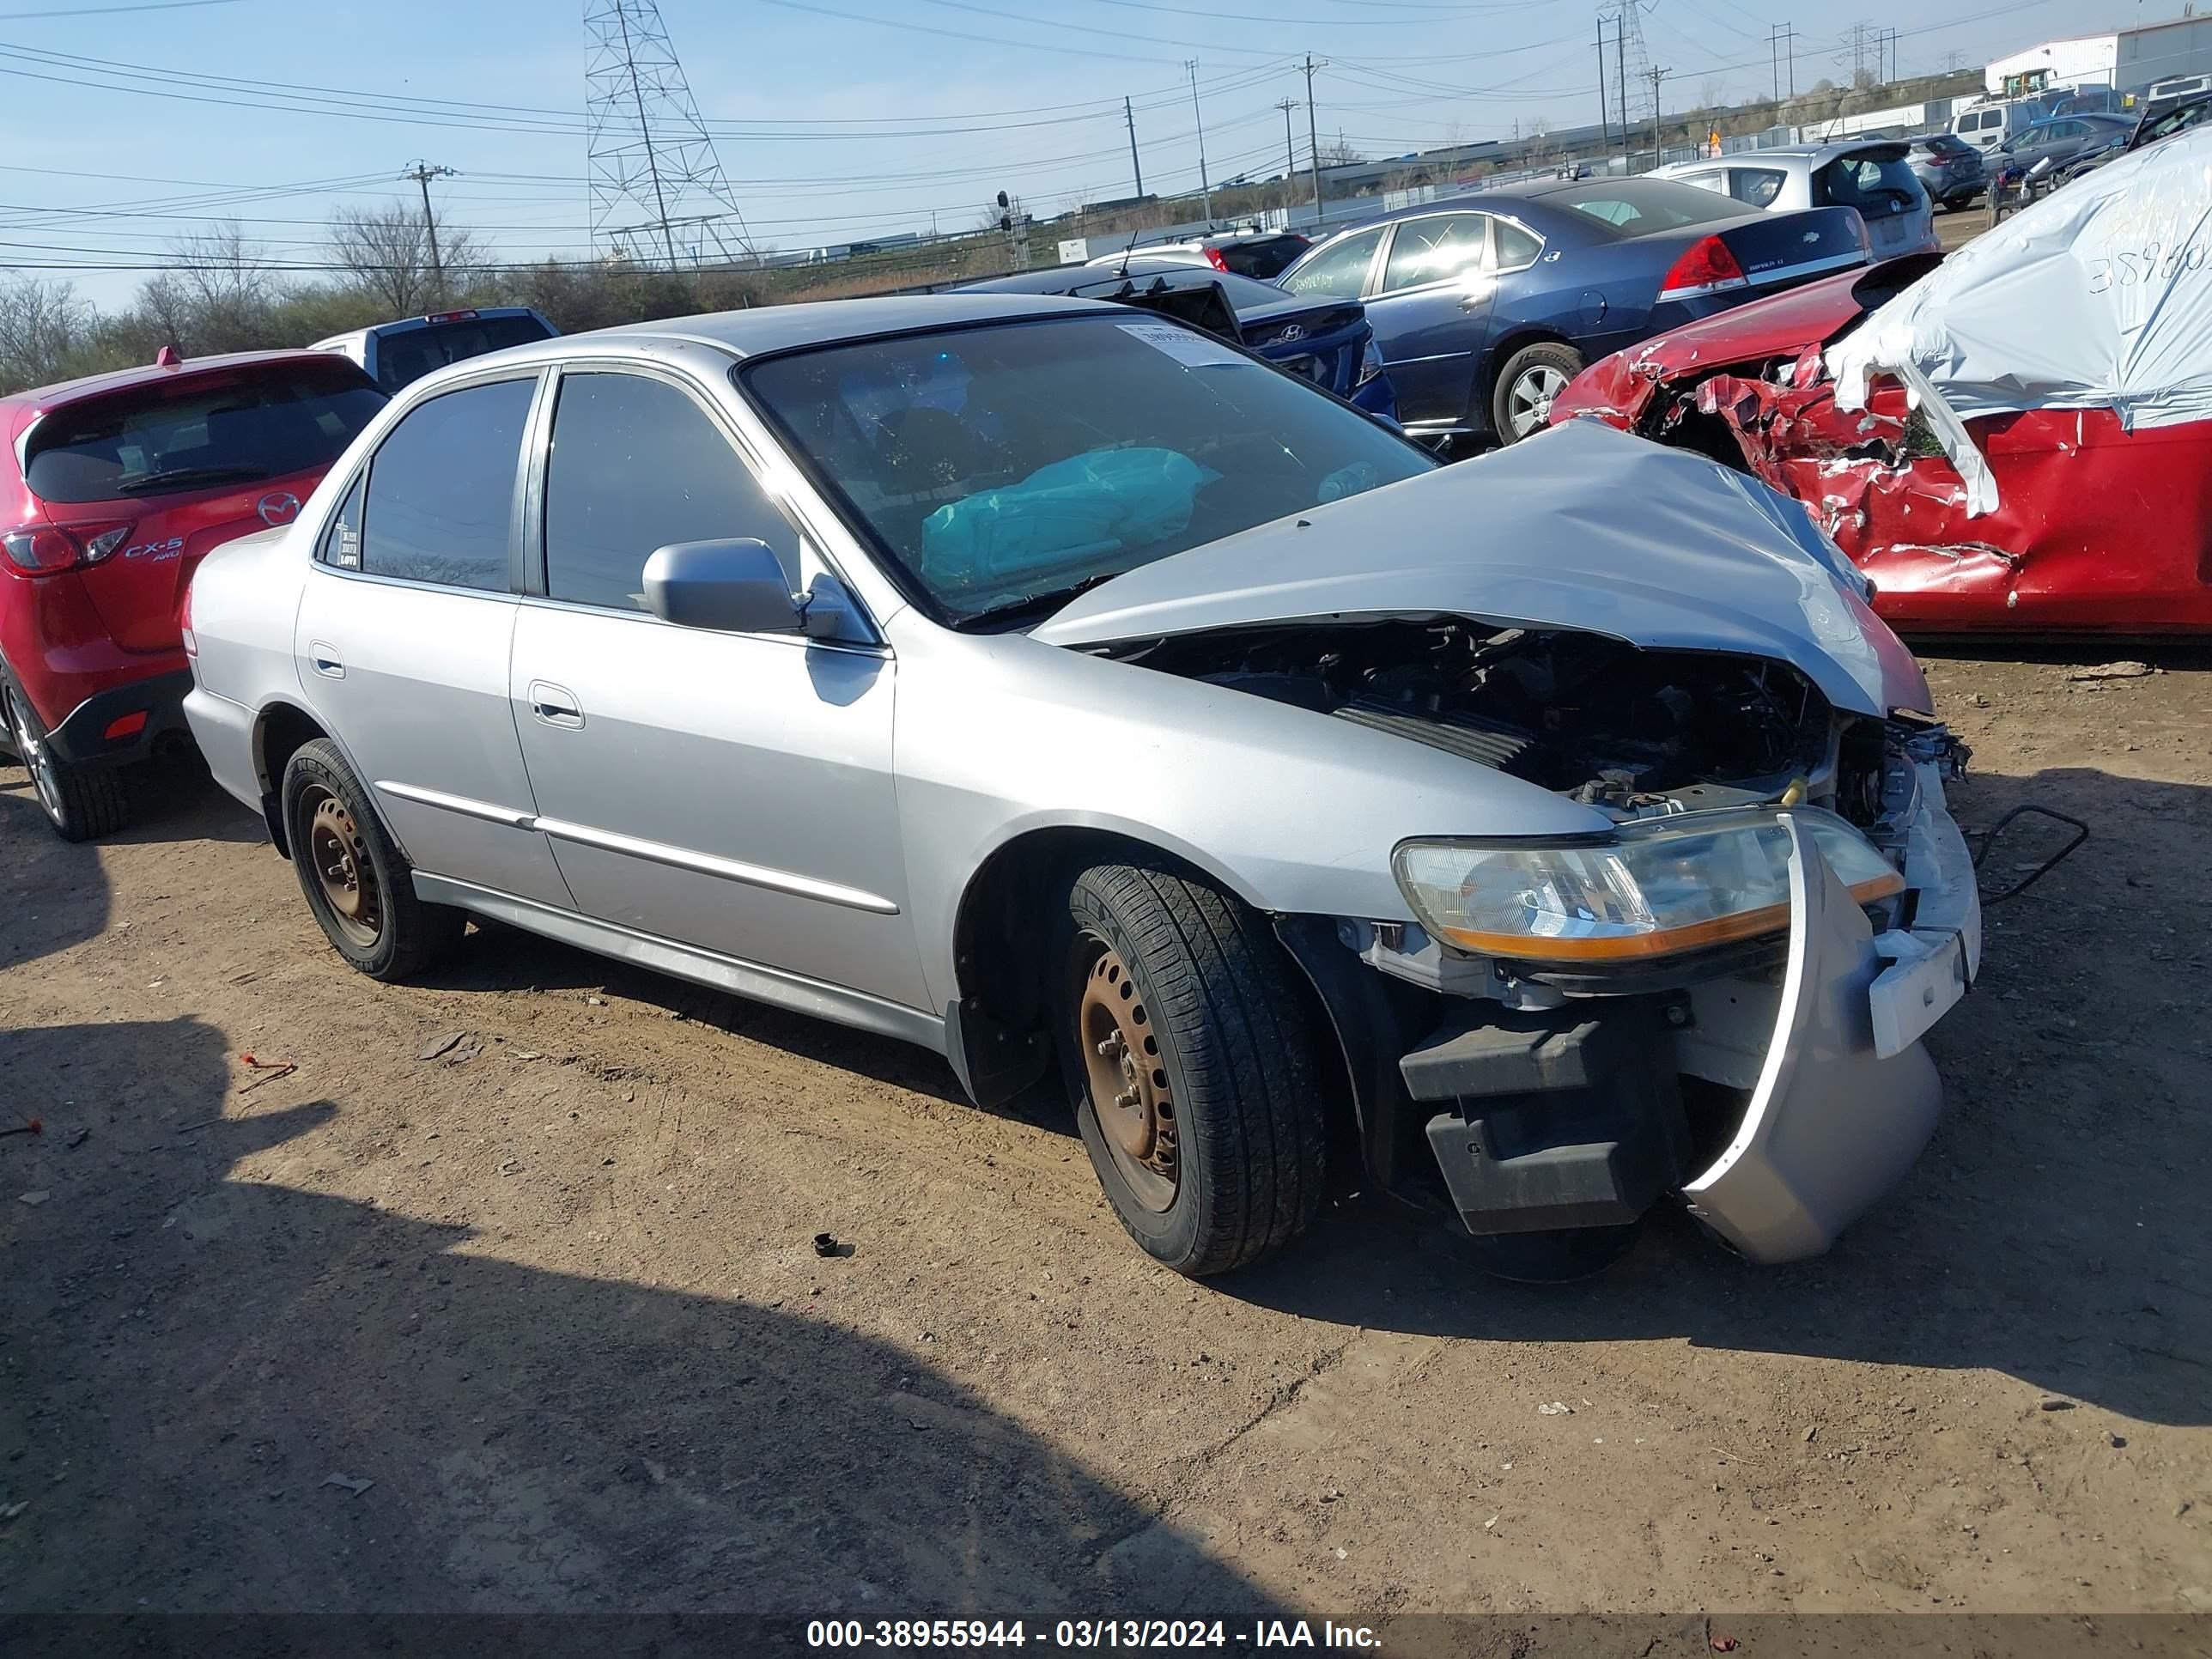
(834, 119)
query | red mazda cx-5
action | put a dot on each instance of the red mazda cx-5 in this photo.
(111, 490)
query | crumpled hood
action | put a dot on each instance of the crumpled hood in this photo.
(1580, 527)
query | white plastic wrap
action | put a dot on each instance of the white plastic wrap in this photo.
(2099, 296)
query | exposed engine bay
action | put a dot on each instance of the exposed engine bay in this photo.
(1630, 732)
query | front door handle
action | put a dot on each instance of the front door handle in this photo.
(554, 705)
(324, 656)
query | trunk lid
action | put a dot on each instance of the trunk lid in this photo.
(1536, 535)
(1776, 248)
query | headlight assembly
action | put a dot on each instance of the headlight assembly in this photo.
(1656, 887)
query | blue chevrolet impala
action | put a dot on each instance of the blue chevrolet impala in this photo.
(1485, 306)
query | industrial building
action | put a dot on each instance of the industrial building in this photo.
(2127, 60)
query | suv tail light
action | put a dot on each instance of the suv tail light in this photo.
(1213, 258)
(42, 549)
(1707, 268)
(185, 625)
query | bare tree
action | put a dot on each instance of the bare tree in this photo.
(218, 295)
(387, 251)
(42, 324)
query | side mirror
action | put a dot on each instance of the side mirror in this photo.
(734, 586)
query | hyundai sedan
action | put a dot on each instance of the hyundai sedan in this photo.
(1075, 696)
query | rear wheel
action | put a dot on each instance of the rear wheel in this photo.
(1192, 1071)
(80, 802)
(357, 882)
(1532, 378)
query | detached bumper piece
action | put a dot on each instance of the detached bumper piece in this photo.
(1558, 1120)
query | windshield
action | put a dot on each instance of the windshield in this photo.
(1647, 204)
(193, 433)
(1000, 468)
(408, 355)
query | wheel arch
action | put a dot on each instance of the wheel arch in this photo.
(1517, 337)
(281, 730)
(998, 1030)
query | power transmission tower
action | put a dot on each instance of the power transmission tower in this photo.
(1635, 67)
(656, 184)
(1862, 41)
(422, 172)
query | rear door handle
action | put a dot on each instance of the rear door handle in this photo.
(554, 705)
(324, 656)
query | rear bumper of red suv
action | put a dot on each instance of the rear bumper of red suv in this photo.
(124, 722)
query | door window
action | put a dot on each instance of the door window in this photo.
(637, 466)
(1435, 249)
(1757, 186)
(342, 540)
(441, 489)
(1338, 271)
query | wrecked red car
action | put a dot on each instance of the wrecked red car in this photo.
(2017, 438)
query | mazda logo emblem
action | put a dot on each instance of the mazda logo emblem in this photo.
(278, 507)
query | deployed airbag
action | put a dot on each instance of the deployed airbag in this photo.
(1072, 510)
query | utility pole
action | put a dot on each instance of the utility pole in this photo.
(1604, 123)
(1657, 75)
(1787, 34)
(1135, 166)
(1289, 149)
(1205, 190)
(1313, 142)
(422, 173)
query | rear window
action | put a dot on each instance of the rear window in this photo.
(409, 354)
(1943, 144)
(196, 433)
(1647, 204)
(1881, 180)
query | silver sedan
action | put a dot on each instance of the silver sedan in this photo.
(1078, 696)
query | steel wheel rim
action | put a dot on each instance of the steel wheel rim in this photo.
(1125, 1079)
(338, 858)
(1529, 403)
(36, 760)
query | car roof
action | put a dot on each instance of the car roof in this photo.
(121, 380)
(1058, 279)
(763, 329)
(436, 318)
(1813, 155)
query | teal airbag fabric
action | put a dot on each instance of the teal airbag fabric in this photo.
(1081, 507)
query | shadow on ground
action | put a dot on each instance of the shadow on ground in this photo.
(2054, 1230)
(224, 1395)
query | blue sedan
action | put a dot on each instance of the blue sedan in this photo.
(1485, 306)
(1322, 338)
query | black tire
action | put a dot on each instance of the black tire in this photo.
(80, 802)
(390, 935)
(1210, 998)
(1512, 403)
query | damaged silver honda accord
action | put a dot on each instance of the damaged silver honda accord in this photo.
(1078, 694)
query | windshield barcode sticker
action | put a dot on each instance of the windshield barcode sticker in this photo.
(1191, 349)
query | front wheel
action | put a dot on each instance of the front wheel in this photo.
(1191, 1067)
(1532, 378)
(357, 882)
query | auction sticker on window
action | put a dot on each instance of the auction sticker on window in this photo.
(1191, 349)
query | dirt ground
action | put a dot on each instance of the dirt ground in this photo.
(533, 1321)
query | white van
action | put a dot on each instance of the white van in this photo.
(1987, 126)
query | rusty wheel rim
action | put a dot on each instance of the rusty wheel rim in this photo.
(1126, 1079)
(340, 858)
